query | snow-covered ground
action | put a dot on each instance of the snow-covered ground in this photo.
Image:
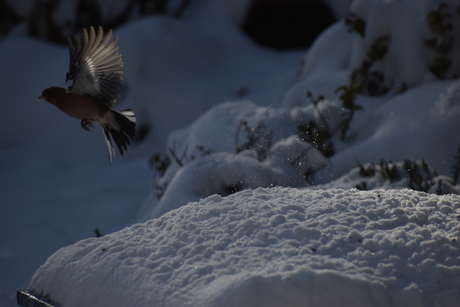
(235, 118)
(272, 247)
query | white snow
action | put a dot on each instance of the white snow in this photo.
(272, 247)
(227, 113)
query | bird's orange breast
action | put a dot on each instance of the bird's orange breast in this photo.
(81, 106)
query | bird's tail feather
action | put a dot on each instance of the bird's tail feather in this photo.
(121, 128)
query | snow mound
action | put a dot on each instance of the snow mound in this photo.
(378, 57)
(271, 247)
(415, 47)
(248, 146)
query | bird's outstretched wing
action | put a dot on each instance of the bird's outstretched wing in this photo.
(95, 68)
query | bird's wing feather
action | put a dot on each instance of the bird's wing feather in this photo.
(95, 68)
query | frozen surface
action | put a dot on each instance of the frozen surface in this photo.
(272, 247)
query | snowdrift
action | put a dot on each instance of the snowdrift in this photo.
(271, 247)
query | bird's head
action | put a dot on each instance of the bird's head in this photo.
(52, 94)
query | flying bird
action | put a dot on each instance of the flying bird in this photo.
(94, 80)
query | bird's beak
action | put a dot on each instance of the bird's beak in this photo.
(41, 97)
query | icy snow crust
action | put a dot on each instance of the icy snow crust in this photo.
(272, 247)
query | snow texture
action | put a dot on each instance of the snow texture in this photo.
(272, 247)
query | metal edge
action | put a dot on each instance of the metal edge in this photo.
(28, 299)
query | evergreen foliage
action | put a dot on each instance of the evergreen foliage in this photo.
(355, 24)
(439, 21)
(317, 133)
(418, 175)
(258, 138)
(456, 167)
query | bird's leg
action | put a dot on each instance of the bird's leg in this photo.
(87, 125)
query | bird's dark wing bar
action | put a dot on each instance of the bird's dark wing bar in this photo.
(96, 67)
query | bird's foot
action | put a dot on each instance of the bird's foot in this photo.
(87, 125)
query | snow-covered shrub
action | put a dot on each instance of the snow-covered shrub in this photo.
(418, 44)
(387, 47)
(440, 22)
(239, 145)
(258, 138)
(380, 71)
(348, 97)
(456, 167)
(318, 132)
(416, 175)
(411, 174)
